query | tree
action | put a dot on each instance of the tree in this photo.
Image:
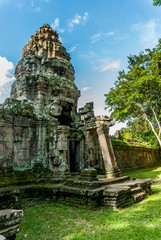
(157, 2)
(137, 93)
(138, 131)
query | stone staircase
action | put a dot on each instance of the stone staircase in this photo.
(123, 194)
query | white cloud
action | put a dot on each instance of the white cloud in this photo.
(5, 71)
(90, 55)
(38, 9)
(85, 17)
(95, 38)
(6, 77)
(72, 49)
(106, 64)
(109, 66)
(60, 39)
(86, 89)
(109, 34)
(20, 6)
(99, 36)
(56, 24)
(100, 63)
(149, 32)
(78, 19)
(116, 127)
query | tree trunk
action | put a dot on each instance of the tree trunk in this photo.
(152, 128)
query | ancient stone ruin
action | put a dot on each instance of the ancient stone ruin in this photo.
(39, 123)
(43, 138)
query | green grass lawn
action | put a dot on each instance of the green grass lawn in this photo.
(45, 220)
(154, 172)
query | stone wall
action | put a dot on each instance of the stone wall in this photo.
(136, 157)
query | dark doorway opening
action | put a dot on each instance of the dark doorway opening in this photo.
(74, 156)
(65, 118)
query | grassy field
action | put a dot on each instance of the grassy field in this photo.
(154, 172)
(45, 220)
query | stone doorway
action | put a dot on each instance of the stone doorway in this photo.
(74, 156)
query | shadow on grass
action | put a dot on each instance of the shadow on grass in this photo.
(142, 221)
(153, 172)
(53, 221)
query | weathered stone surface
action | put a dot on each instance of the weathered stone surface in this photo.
(10, 222)
(44, 140)
(45, 43)
(38, 120)
(129, 157)
(111, 168)
(41, 133)
(93, 155)
(112, 193)
(89, 174)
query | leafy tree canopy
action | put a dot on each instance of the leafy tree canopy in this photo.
(157, 2)
(137, 93)
(138, 131)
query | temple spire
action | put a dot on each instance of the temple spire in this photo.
(45, 43)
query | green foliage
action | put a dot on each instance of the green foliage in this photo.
(137, 93)
(139, 131)
(118, 142)
(157, 2)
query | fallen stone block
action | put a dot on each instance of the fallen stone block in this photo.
(9, 223)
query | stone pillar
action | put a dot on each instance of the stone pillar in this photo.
(111, 169)
(41, 93)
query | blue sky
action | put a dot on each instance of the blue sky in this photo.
(98, 34)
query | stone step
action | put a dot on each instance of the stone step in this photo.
(137, 197)
(114, 180)
(136, 190)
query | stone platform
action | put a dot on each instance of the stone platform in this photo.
(111, 193)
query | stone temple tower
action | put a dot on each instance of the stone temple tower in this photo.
(38, 120)
(45, 76)
(41, 132)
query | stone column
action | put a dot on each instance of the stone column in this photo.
(41, 92)
(111, 169)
